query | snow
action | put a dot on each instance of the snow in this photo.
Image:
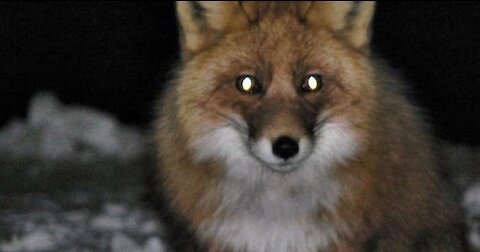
(471, 199)
(34, 241)
(122, 243)
(154, 245)
(471, 202)
(106, 223)
(71, 179)
(54, 131)
(108, 220)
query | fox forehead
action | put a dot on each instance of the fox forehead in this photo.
(282, 49)
(278, 53)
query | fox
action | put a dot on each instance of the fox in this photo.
(282, 131)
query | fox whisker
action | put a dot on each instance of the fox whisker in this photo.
(331, 114)
(231, 121)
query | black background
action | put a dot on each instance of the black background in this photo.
(116, 55)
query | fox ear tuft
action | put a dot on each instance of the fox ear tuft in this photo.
(349, 19)
(203, 23)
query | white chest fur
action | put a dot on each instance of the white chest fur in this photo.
(263, 211)
(253, 219)
(252, 234)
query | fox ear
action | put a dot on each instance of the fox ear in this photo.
(349, 19)
(202, 23)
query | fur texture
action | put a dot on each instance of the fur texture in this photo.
(364, 177)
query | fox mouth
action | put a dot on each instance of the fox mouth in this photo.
(283, 167)
(286, 167)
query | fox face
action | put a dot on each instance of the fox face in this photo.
(280, 94)
(282, 133)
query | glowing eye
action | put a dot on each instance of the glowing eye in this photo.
(248, 84)
(312, 83)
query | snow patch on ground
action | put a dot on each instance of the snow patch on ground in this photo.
(471, 203)
(105, 221)
(34, 241)
(72, 179)
(54, 131)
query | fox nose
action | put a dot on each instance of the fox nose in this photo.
(285, 147)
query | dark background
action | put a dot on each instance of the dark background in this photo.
(116, 55)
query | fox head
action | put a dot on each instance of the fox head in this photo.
(275, 86)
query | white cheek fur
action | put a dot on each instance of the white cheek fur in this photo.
(228, 145)
(334, 143)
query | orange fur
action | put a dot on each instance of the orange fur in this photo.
(389, 196)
